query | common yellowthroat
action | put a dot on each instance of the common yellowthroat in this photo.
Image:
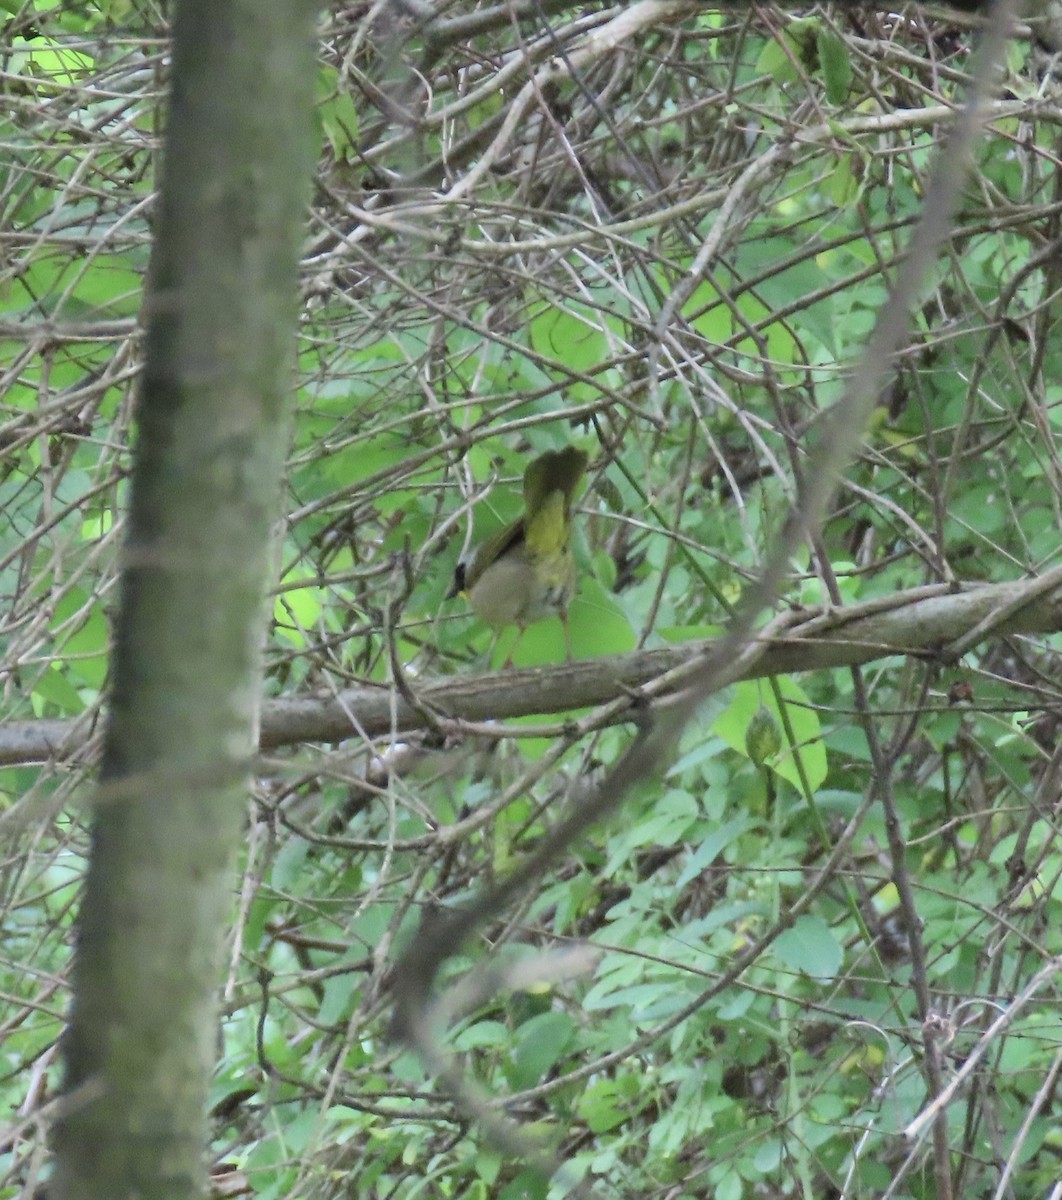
(526, 571)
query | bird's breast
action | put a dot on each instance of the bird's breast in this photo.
(509, 592)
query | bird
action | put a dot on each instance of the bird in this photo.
(526, 571)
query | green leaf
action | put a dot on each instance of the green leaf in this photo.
(85, 647)
(574, 336)
(809, 947)
(54, 688)
(488, 1164)
(710, 849)
(338, 998)
(337, 116)
(289, 861)
(528, 1185)
(483, 1033)
(776, 62)
(768, 1156)
(836, 68)
(602, 1106)
(844, 187)
(708, 314)
(301, 605)
(707, 749)
(730, 1187)
(542, 1041)
(667, 822)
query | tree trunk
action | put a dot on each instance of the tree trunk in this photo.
(220, 315)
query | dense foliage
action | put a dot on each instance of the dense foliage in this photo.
(662, 233)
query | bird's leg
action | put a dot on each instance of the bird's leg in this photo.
(567, 632)
(512, 649)
(495, 635)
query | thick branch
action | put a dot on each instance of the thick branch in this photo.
(923, 622)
